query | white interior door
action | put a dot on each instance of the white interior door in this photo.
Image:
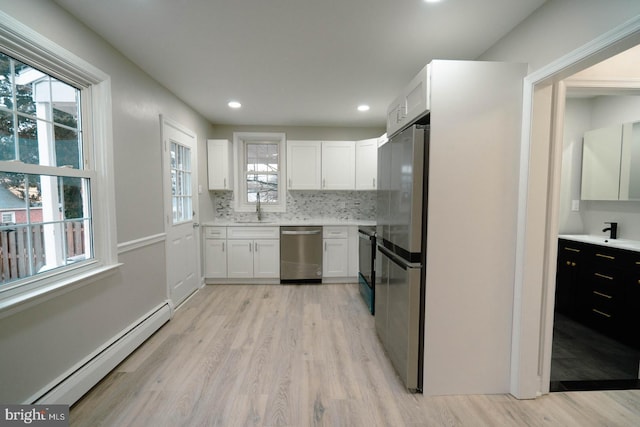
(180, 175)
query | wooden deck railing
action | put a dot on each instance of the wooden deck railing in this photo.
(16, 256)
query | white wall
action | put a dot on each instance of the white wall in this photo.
(582, 115)
(39, 344)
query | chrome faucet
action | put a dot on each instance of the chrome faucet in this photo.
(258, 207)
(612, 229)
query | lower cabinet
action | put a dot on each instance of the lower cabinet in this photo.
(253, 258)
(335, 261)
(600, 287)
(215, 252)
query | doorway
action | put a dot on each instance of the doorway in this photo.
(538, 216)
(590, 349)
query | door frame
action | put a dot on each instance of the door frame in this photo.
(537, 222)
(167, 206)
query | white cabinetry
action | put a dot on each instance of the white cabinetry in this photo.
(335, 260)
(413, 102)
(215, 252)
(219, 164)
(321, 165)
(253, 252)
(338, 165)
(367, 164)
(304, 159)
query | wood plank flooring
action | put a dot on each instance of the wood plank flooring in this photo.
(301, 355)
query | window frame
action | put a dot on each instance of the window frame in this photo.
(29, 47)
(240, 183)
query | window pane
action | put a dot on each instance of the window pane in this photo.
(6, 82)
(265, 184)
(31, 86)
(28, 130)
(51, 227)
(262, 157)
(68, 147)
(7, 139)
(180, 156)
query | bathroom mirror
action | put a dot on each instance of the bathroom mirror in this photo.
(611, 163)
(630, 162)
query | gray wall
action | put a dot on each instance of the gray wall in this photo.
(557, 28)
(39, 344)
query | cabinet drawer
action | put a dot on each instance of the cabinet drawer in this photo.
(215, 232)
(253, 232)
(335, 232)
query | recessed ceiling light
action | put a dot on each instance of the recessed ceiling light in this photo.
(234, 104)
(432, 1)
(363, 107)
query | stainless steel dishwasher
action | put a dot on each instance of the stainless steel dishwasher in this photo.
(301, 254)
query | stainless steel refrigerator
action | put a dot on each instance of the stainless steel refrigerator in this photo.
(401, 230)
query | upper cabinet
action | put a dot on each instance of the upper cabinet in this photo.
(321, 165)
(413, 102)
(630, 162)
(219, 164)
(367, 164)
(338, 165)
(611, 163)
(304, 160)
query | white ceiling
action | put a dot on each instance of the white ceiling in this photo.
(295, 62)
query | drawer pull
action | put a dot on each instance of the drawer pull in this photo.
(606, 256)
(603, 276)
(572, 249)
(573, 264)
(602, 295)
(637, 262)
(601, 313)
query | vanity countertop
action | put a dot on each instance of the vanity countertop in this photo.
(631, 245)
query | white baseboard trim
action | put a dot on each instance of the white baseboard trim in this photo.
(80, 379)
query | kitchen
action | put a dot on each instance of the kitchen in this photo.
(133, 121)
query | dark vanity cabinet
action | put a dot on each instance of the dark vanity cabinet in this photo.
(600, 287)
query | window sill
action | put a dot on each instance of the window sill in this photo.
(30, 298)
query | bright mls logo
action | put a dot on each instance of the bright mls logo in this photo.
(34, 415)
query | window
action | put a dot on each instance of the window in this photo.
(181, 197)
(260, 160)
(54, 133)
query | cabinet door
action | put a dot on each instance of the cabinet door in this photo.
(266, 258)
(240, 258)
(215, 258)
(338, 165)
(219, 164)
(367, 164)
(336, 255)
(601, 152)
(304, 165)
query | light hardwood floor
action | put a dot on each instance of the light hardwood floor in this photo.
(301, 355)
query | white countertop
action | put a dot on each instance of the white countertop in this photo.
(631, 245)
(294, 222)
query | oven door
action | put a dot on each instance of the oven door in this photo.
(365, 258)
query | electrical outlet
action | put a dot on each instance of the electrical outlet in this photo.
(575, 205)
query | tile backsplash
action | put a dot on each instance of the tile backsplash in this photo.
(306, 205)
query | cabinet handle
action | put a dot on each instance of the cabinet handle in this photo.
(324, 182)
(374, 183)
(249, 247)
(222, 246)
(289, 182)
(602, 295)
(572, 249)
(224, 185)
(606, 256)
(573, 264)
(603, 276)
(325, 246)
(256, 246)
(637, 262)
(601, 313)
(568, 262)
